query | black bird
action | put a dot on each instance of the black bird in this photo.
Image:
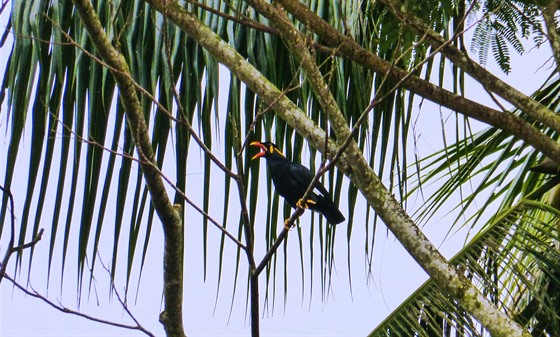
(291, 180)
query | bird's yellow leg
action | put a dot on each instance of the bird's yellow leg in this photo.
(304, 205)
(287, 224)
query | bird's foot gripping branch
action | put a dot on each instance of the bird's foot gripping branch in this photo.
(305, 203)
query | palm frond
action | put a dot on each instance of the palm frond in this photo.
(514, 261)
(75, 97)
(510, 259)
(504, 24)
(489, 160)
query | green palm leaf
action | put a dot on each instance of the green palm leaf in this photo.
(489, 157)
(178, 84)
(513, 261)
(510, 259)
(75, 94)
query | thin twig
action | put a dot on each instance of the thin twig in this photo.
(299, 211)
(32, 243)
(180, 121)
(181, 193)
(10, 249)
(199, 210)
(265, 110)
(61, 308)
(121, 301)
(243, 20)
(324, 168)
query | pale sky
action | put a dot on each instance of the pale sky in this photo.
(395, 275)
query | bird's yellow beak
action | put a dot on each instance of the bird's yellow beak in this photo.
(260, 154)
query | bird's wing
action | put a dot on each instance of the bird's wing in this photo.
(304, 176)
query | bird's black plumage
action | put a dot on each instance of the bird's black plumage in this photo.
(291, 180)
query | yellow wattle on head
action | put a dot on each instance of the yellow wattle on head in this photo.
(267, 148)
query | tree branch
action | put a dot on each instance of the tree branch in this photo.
(240, 19)
(238, 65)
(359, 171)
(529, 106)
(549, 16)
(66, 310)
(416, 243)
(323, 169)
(170, 218)
(356, 167)
(298, 45)
(11, 248)
(350, 50)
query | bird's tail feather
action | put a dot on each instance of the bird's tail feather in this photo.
(333, 216)
(330, 211)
